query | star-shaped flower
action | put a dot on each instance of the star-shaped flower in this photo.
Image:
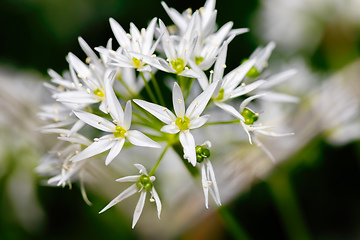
(142, 183)
(119, 129)
(183, 121)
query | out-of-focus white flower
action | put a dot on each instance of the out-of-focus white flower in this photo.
(207, 173)
(143, 184)
(137, 41)
(183, 121)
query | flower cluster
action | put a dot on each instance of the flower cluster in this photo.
(93, 93)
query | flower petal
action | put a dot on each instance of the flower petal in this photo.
(141, 168)
(162, 113)
(248, 100)
(198, 122)
(205, 185)
(133, 178)
(95, 121)
(171, 128)
(115, 150)
(125, 194)
(127, 117)
(178, 101)
(139, 207)
(94, 149)
(139, 139)
(188, 142)
(113, 103)
(157, 201)
(229, 109)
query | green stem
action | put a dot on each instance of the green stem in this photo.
(288, 207)
(159, 160)
(119, 95)
(132, 94)
(231, 223)
(154, 121)
(157, 89)
(148, 89)
(225, 122)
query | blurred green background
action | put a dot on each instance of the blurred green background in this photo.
(314, 194)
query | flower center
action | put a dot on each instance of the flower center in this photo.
(120, 132)
(253, 72)
(221, 95)
(182, 123)
(137, 62)
(198, 60)
(144, 182)
(178, 65)
(250, 116)
(99, 93)
(201, 153)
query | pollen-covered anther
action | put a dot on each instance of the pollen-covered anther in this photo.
(152, 199)
(209, 183)
(126, 134)
(164, 109)
(61, 88)
(186, 68)
(76, 152)
(141, 171)
(211, 71)
(62, 135)
(153, 56)
(180, 101)
(115, 121)
(88, 90)
(173, 123)
(251, 129)
(80, 85)
(243, 84)
(107, 110)
(92, 67)
(260, 124)
(72, 85)
(197, 116)
(257, 114)
(80, 76)
(138, 209)
(128, 36)
(58, 154)
(167, 40)
(65, 167)
(88, 60)
(112, 52)
(224, 65)
(266, 64)
(187, 131)
(96, 139)
(99, 122)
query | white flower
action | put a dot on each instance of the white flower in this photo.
(207, 173)
(229, 87)
(250, 117)
(177, 54)
(119, 130)
(92, 89)
(137, 41)
(183, 121)
(143, 184)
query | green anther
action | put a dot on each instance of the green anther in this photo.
(178, 65)
(99, 93)
(198, 60)
(183, 123)
(249, 116)
(137, 62)
(201, 153)
(253, 72)
(120, 132)
(144, 182)
(221, 95)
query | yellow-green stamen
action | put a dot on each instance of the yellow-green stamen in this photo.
(249, 116)
(120, 132)
(198, 60)
(178, 65)
(221, 95)
(137, 62)
(253, 72)
(99, 93)
(183, 123)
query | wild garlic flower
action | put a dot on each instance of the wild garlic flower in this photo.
(91, 89)
(142, 184)
(139, 41)
(229, 85)
(248, 124)
(183, 121)
(207, 173)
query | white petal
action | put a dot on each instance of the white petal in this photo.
(278, 78)
(273, 134)
(234, 78)
(139, 139)
(249, 99)
(162, 113)
(134, 178)
(220, 64)
(115, 150)
(213, 180)
(188, 143)
(197, 106)
(198, 122)
(90, 53)
(178, 101)
(139, 207)
(171, 128)
(113, 103)
(229, 109)
(205, 185)
(202, 79)
(175, 16)
(241, 90)
(94, 149)
(95, 121)
(125, 194)
(128, 114)
(157, 201)
(245, 127)
(281, 97)
(76, 127)
(259, 144)
(119, 33)
(141, 168)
